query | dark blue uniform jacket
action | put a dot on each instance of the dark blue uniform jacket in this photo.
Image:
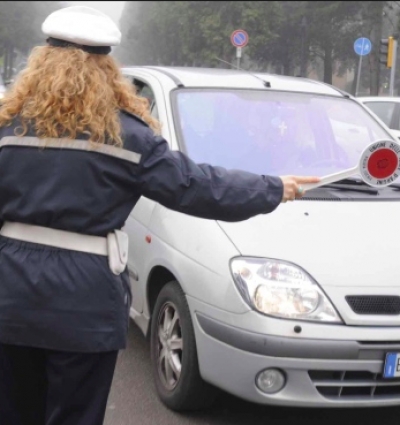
(68, 300)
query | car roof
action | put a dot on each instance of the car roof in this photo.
(231, 78)
(378, 99)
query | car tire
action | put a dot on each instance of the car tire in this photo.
(174, 354)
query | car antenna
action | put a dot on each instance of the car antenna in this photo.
(265, 83)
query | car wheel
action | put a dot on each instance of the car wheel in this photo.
(174, 355)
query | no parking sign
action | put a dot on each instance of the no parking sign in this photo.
(239, 38)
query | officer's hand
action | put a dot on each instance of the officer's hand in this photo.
(292, 186)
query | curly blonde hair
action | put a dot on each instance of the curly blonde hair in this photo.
(64, 92)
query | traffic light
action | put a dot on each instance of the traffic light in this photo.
(386, 51)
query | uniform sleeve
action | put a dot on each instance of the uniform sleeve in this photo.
(175, 181)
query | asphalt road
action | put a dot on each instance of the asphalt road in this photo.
(133, 401)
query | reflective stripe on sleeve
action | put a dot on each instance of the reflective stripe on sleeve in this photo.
(81, 145)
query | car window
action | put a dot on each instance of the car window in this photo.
(148, 93)
(144, 90)
(384, 110)
(273, 132)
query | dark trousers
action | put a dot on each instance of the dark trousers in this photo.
(46, 387)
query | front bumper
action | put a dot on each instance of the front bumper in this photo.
(319, 372)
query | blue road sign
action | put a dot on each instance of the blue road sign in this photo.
(362, 46)
(239, 38)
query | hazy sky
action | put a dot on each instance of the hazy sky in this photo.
(111, 8)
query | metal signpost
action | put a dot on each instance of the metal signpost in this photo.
(239, 38)
(362, 46)
(389, 53)
(393, 68)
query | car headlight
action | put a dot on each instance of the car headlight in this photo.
(281, 289)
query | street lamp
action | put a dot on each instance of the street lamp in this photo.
(303, 26)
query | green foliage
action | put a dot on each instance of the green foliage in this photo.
(20, 22)
(282, 33)
(20, 29)
(333, 27)
(197, 32)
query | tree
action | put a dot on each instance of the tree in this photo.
(333, 27)
(126, 51)
(273, 40)
(288, 42)
(372, 26)
(196, 33)
(284, 34)
(20, 27)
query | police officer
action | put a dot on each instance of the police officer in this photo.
(78, 149)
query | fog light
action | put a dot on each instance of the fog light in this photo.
(270, 381)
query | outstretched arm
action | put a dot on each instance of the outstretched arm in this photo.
(212, 192)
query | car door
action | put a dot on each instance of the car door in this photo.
(137, 223)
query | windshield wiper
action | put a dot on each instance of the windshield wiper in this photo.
(353, 185)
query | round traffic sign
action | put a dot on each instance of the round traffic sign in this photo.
(379, 163)
(362, 46)
(239, 38)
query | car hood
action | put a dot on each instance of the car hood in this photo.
(342, 244)
(396, 133)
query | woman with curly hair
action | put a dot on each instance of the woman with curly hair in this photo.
(78, 148)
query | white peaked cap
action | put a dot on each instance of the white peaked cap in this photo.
(82, 25)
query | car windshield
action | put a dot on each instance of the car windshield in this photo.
(272, 132)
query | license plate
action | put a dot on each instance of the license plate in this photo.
(392, 365)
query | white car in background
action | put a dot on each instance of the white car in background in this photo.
(387, 109)
(300, 307)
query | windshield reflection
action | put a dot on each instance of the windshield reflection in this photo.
(273, 132)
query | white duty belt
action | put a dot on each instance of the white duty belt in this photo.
(114, 246)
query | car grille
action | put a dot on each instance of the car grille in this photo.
(371, 304)
(354, 384)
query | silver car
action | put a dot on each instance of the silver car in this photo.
(387, 108)
(300, 307)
